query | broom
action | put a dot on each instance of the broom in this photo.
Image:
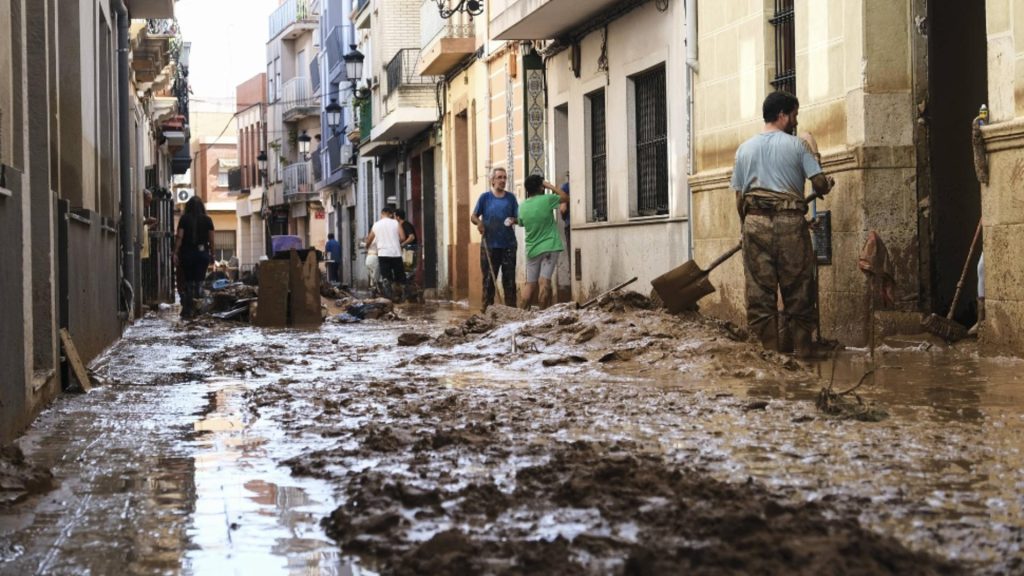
(947, 328)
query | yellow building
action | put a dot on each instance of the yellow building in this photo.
(889, 89)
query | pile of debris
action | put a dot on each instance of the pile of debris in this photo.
(623, 329)
(18, 478)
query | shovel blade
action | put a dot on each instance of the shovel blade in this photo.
(681, 287)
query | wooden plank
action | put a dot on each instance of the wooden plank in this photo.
(305, 290)
(76, 361)
(272, 308)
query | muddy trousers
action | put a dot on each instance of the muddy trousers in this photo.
(193, 266)
(504, 260)
(778, 257)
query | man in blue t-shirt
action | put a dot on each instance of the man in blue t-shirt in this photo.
(496, 212)
(333, 250)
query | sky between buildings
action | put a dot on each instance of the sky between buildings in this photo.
(229, 40)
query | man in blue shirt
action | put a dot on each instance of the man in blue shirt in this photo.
(333, 250)
(495, 214)
(768, 178)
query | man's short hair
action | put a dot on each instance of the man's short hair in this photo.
(779, 102)
(496, 169)
(388, 209)
(330, 235)
(400, 213)
(534, 185)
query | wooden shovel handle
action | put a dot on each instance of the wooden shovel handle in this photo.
(963, 274)
(718, 261)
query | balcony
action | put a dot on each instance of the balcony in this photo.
(298, 181)
(334, 51)
(314, 73)
(293, 18)
(545, 19)
(401, 71)
(339, 155)
(361, 14)
(298, 100)
(151, 8)
(316, 159)
(443, 42)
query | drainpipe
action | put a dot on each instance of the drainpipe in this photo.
(124, 134)
(691, 69)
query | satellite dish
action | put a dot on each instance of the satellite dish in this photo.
(184, 195)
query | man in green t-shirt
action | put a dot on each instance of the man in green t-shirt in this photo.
(543, 242)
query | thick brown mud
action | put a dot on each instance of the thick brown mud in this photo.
(616, 439)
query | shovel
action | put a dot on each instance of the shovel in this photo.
(681, 287)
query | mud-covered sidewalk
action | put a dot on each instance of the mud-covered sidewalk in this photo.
(610, 440)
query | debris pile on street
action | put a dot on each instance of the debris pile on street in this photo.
(623, 329)
(18, 478)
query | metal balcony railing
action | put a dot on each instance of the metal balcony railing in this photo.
(334, 50)
(298, 96)
(339, 154)
(317, 161)
(432, 26)
(162, 27)
(401, 71)
(298, 179)
(314, 72)
(291, 12)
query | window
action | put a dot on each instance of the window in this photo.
(785, 46)
(598, 153)
(270, 81)
(650, 123)
(222, 178)
(277, 79)
(223, 244)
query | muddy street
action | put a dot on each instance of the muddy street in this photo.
(610, 440)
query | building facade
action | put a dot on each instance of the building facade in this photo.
(293, 122)
(250, 176)
(398, 144)
(79, 133)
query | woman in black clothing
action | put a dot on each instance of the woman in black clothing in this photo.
(193, 247)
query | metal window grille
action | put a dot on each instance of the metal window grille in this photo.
(651, 143)
(785, 46)
(598, 158)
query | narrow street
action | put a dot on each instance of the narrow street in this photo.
(609, 440)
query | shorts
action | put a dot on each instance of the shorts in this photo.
(542, 266)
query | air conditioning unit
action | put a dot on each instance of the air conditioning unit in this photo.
(182, 195)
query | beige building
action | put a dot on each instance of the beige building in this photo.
(889, 89)
(397, 144)
(1002, 208)
(293, 117)
(609, 80)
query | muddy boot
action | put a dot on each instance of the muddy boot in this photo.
(981, 318)
(768, 333)
(804, 345)
(785, 336)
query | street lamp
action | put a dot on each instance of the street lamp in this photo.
(261, 161)
(353, 64)
(304, 140)
(333, 115)
(471, 7)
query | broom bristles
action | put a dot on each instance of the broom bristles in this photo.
(944, 328)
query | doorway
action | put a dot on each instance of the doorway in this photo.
(957, 87)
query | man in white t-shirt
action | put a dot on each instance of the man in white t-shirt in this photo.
(388, 235)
